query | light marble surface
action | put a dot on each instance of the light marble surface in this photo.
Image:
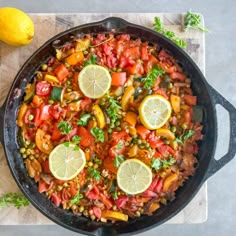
(196, 210)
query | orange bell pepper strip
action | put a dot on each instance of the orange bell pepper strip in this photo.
(131, 118)
(75, 58)
(171, 179)
(114, 215)
(165, 133)
(175, 103)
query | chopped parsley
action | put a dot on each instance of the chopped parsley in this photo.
(98, 134)
(118, 160)
(184, 137)
(157, 163)
(77, 198)
(194, 21)
(113, 109)
(92, 60)
(94, 173)
(16, 199)
(84, 119)
(149, 81)
(158, 26)
(76, 140)
(64, 127)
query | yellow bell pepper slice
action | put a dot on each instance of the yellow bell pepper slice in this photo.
(21, 114)
(75, 58)
(43, 141)
(82, 44)
(99, 115)
(127, 97)
(175, 103)
(166, 133)
(114, 215)
(51, 79)
(169, 181)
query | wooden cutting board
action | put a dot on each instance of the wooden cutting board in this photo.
(46, 26)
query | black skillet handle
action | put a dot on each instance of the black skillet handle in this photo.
(2, 110)
(216, 165)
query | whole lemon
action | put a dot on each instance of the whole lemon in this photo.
(16, 28)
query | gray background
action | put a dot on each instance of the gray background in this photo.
(220, 18)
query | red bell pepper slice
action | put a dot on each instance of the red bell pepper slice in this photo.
(86, 137)
(118, 78)
(61, 72)
(97, 212)
(93, 193)
(105, 201)
(121, 201)
(56, 199)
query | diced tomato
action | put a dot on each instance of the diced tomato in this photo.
(86, 137)
(37, 118)
(178, 76)
(167, 68)
(108, 163)
(111, 61)
(161, 92)
(153, 184)
(43, 88)
(154, 141)
(42, 186)
(144, 52)
(158, 187)
(105, 201)
(44, 112)
(45, 166)
(85, 103)
(107, 49)
(187, 118)
(163, 55)
(93, 193)
(142, 131)
(56, 111)
(118, 78)
(149, 193)
(121, 201)
(190, 100)
(56, 134)
(165, 150)
(132, 53)
(124, 62)
(135, 69)
(56, 199)
(157, 155)
(58, 181)
(97, 212)
(61, 72)
(65, 194)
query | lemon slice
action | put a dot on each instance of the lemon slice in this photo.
(94, 81)
(65, 162)
(154, 111)
(133, 176)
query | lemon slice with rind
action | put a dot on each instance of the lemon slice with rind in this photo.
(154, 111)
(133, 176)
(66, 162)
(94, 81)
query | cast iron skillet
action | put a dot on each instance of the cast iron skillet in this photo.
(207, 98)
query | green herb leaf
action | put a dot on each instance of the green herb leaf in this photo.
(156, 163)
(188, 134)
(64, 127)
(67, 144)
(158, 26)
(98, 134)
(113, 109)
(97, 160)
(149, 81)
(16, 199)
(167, 163)
(114, 195)
(92, 60)
(76, 139)
(119, 146)
(84, 119)
(118, 160)
(194, 21)
(94, 173)
(77, 198)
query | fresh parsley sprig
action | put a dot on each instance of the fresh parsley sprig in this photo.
(16, 199)
(149, 81)
(92, 60)
(76, 198)
(157, 163)
(98, 134)
(84, 119)
(158, 26)
(184, 137)
(194, 21)
(118, 160)
(94, 173)
(113, 109)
